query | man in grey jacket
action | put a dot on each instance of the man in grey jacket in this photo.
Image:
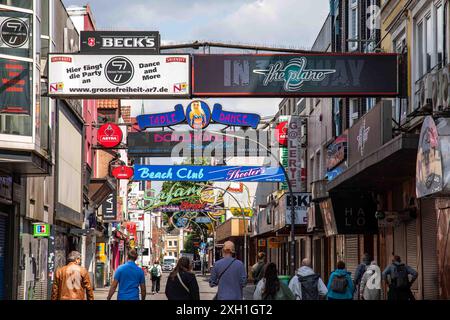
(306, 284)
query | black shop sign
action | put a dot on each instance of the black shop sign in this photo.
(109, 208)
(354, 213)
(120, 42)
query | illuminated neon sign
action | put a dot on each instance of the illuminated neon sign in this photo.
(234, 118)
(161, 119)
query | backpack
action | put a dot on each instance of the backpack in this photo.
(400, 278)
(339, 284)
(154, 271)
(308, 285)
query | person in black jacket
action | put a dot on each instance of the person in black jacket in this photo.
(182, 284)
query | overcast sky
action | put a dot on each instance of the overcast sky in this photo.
(285, 23)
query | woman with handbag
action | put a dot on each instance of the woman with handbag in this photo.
(182, 284)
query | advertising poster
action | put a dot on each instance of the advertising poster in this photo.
(91, 76)
(15, 91)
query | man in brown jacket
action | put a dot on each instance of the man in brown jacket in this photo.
(72, 281)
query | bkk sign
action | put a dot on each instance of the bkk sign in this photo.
(235, 118)
(109, 135)
(161, 119)
(184, 143)
(295, 75)
(120, 42)
(93, 76)
(208, 173)
(15, 90)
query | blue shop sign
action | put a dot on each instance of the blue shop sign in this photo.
(161, 119)
(208, 173)
(237, 119)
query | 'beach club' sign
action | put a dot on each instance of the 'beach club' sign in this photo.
(208, 173)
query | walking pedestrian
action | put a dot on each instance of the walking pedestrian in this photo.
(306, 284)
(182, 284)
(156, 272)
(229, 275)
(72, 281)
(397, 276)
(258, 268)
(129, 277)
(362, 267)
(270, 287)
(340, 284)
(370, 287)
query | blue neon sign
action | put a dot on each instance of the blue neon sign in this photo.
(237, 119)
(161, 119)
(208, 173)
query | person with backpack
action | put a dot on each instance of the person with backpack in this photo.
(181, 283)
(397, 276)
(270, 287)
(229, 275)
(370, 287)
(306, 284)
(156, 273)
(360, 270)
(258, 268)
(340, 285)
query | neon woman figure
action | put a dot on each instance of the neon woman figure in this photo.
(197, 117)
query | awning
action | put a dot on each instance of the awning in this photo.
(24, 163)
(100, 189)
(389, 165)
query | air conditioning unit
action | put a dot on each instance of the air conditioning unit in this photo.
(426, 93)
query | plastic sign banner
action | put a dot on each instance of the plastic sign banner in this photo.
(123, 172)
(41, 230)
(120, 42)
(161, 119)
(208, 173)
(109, 135)
(116, 76)
(355, 74)
(235, 118)
(281, 133)
(198, 114)
(237, 212)
(15, 92)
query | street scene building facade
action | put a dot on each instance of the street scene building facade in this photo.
(364, 174)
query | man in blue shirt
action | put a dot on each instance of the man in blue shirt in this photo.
(229, 275)
(129, 277)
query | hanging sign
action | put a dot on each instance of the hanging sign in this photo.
(123, 172)
(204, 220)
(281, 133)
(327, 74)
(116, 76)
(237, 212)
(109, 135)
(41, 230)
(208, 173)
(15, 88)
(235, 118)
(109, 208)
(124, 42)
(161, 119)
(294, 168)
(198, 114)
(14, 33)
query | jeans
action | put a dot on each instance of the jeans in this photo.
(155, 284)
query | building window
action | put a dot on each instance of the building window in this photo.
(429, 44)
(175, 254)
(175, 243)
(440, 35)
(419, 38)
(353, 25)
(26, 4)
(354, 114)
(170, 243)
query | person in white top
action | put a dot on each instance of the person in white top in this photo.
(306, 284)
(156, 273)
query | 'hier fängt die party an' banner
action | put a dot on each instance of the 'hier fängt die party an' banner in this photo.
(119, 76)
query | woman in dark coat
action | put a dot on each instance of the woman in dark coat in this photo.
(182, 284)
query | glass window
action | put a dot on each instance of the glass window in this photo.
(109, 114)
(45, 119)
(16, 33)
(170, 243)
(429, 44)
(44, 17)
(420, 62)
(440, 35)
(26, 4)
(354, 115)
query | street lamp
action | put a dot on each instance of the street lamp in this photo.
(291, 193)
